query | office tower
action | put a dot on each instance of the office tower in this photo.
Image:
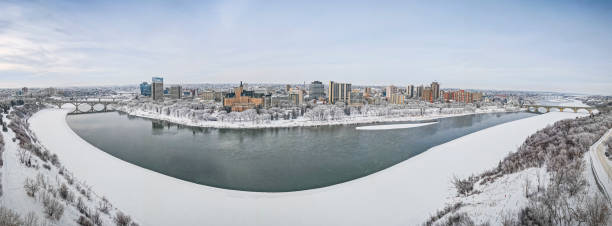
(427, 94)
(145, 89)
(176, 92)
(390, 91)
(435, 89)
(157, 88)
(317, 90)
(410, 91)
(296, 97)
(419, 91)
(339, 92)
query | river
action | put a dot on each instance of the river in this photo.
(269, 160)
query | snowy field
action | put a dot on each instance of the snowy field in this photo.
(394, 126)
(505, 196)
(13, 196)
(404, 194)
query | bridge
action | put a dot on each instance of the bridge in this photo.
(536, 108)
(90, 102)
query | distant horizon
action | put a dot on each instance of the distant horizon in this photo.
(281, 84)
(544, 46)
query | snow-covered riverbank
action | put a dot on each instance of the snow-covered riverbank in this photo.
(36, 189)
(430, 114)
(404, 194)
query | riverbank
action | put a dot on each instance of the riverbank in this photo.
(402, 194)
(304, 122)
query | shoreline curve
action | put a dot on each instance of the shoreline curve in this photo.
(156, 199)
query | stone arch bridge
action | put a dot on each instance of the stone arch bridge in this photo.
(536, 108)
(90, 102)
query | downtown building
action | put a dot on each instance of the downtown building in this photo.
(157, 88)
(435, 89)
(419, 92)
(410, 91)
(427, 94)
(145, 89)
(317, 90)
(339, 92)
(462, 96)
(397, 98)
(241, 99)
(176, 92)
(357, 98)
(296, 97)
(390, 91)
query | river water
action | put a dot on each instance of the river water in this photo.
(269, 160)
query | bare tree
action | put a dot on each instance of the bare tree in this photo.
(121, 219)
(9, 217)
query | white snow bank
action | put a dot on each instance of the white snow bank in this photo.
(506, 195)
(394, 126)
(14, 173)
(404, 194)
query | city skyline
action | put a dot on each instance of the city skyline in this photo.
(561, 46)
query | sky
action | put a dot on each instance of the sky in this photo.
(563, 46)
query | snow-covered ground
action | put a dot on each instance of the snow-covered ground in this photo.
(394, 126)
(14, 197)
(506, 196)
(600, 165)
(404, 194)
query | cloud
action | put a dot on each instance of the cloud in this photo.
(67, 42)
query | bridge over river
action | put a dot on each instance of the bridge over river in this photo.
(537, 107)
(91, 102)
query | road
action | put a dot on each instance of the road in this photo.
(605, 163)
(601, 166)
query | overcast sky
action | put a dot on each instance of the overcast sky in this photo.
(518, 45)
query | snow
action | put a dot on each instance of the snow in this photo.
(15, 198)
(13, 175)
(406, 193)
(206, 114)
(303, 121)
(506, 195)
(394, 126)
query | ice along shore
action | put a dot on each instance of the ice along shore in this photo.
(405, 193)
